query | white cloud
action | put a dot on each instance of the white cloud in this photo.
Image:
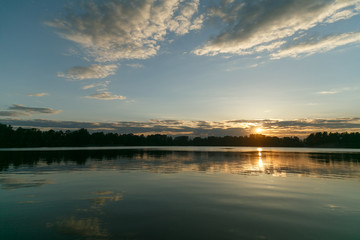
(252, 26)
(38, 94)
(93, 71)
(115, 30)
(106, 96)
(183, 22)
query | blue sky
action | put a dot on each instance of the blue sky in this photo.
(181, 66)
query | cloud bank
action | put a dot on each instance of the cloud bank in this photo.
(114, 30)
(250, 27)
(299, 127)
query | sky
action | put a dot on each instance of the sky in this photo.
(181, 67)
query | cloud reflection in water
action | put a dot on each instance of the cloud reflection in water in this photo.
(85, 227)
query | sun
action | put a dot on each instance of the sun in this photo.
(259, 130)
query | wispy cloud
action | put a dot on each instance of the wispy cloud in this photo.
(114, 30)
(94, 71)
(38, 94)
(21, 108)
(255, 26)
(106, 96)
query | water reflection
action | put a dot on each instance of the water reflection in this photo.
(12, 182)
(85, 222)
(261, 164)
(158, 194)
(105, 196)
(333, 165)
(80, 227)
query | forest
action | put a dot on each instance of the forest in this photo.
(23, 137)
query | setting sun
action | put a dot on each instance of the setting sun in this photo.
(259, 130)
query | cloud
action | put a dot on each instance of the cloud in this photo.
(113, 30)
(338, 90)
(344, 14)
(327, 92)
(38, 94)
(255, 26)
(103, 84)
(89, 86)
(298, 127)
(337, 123)
(106, 96)
(135, 65)
(317, 45)
(21, 108)
(93, 71)
(12, 114)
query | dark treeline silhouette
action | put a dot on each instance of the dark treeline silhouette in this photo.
(21, 137)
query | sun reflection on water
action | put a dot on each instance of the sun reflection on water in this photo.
(261, 164)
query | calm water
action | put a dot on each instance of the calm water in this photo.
(180, 193)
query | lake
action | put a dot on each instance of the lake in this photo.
(179, 193)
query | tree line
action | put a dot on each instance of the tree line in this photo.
(23, 137)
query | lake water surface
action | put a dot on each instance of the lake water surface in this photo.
(179, 193)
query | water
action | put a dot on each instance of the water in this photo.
(180, 193)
